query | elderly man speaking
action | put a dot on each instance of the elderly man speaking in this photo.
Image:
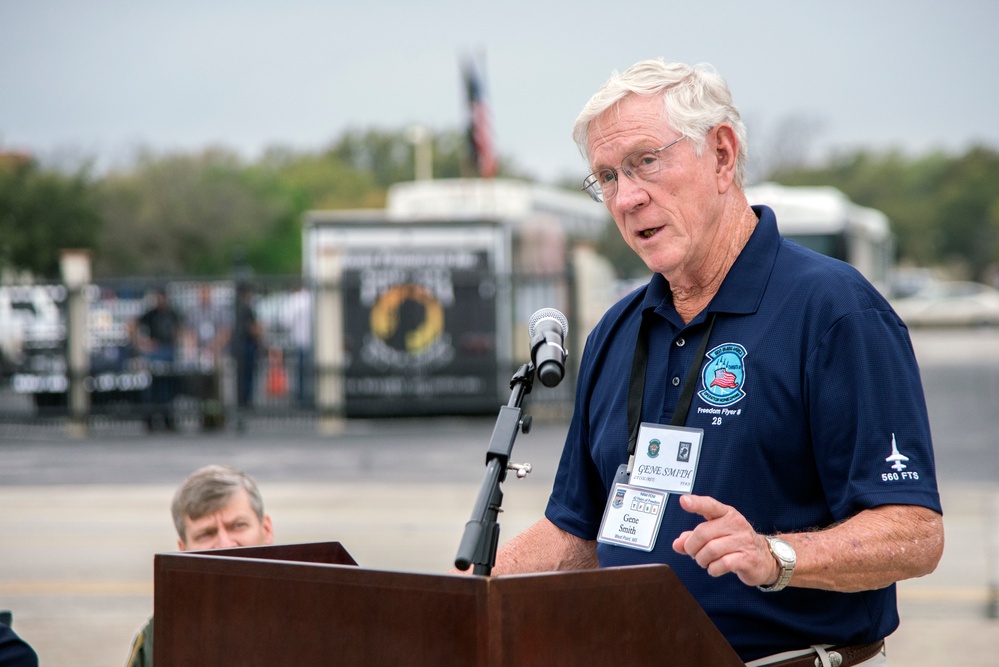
(765, 398)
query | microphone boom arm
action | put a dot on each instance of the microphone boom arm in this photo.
(481, 537)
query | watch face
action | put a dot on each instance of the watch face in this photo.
(782, 549)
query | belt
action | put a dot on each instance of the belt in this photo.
(839, 656)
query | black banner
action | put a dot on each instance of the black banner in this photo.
(420, 331)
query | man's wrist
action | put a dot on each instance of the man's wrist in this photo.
(785, 558)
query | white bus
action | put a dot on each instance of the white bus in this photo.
(825, 220)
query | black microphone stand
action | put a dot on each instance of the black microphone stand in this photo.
(481, 537)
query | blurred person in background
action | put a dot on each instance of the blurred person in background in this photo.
(210, 326)
(156, 335)
(247, 341)
(297, 319)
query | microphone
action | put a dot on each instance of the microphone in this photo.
(548, 329)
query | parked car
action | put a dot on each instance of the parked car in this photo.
(956, 303)
(30, 322)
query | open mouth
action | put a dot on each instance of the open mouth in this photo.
(649, 233)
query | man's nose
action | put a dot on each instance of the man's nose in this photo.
(631, 193)
(225, 540)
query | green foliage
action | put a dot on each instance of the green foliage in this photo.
(211, 213)
(303, 182)
(41, 212)
(385, 156)
(966, 204)
(182, 214)
(319, 181)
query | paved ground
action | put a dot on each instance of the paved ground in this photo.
(81, 519)
(76, 559)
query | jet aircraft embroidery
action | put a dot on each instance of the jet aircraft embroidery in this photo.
(896, 457)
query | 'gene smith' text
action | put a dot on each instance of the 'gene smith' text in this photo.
(678, 473)
(631, 530)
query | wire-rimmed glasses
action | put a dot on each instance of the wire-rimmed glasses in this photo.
(642, 165)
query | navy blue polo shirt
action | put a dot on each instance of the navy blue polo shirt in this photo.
(808, 388)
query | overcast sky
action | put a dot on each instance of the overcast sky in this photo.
(101, 78)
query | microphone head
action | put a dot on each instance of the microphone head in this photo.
(548, 314)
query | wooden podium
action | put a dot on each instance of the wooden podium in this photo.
(309, 604)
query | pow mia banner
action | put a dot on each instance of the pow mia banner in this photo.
(420, 328)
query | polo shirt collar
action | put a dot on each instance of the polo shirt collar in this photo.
(742, 290)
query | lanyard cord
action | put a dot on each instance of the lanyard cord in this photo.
(636, 385)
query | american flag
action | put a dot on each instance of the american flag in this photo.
(480, 131)
(725, 379)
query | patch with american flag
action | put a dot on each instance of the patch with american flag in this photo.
(724, 375)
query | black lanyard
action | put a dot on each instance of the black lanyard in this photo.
(636, 385)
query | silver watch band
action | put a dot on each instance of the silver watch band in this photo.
(786, 559)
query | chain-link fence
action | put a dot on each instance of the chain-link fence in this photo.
(188, 354)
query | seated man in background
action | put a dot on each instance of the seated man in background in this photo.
(215, 508)
(14, 651)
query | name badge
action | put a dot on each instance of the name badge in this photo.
(666, 457)
(632, 517)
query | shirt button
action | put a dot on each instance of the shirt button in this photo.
(680, 342)
(676, 381)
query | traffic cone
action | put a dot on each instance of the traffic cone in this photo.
(277, 377)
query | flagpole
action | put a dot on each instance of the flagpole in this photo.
(423, 152)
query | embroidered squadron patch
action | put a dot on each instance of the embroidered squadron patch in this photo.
(654, 446)
(724, 375)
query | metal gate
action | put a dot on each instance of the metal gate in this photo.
(231, 353)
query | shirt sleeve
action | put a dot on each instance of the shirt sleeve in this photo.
(869, 423)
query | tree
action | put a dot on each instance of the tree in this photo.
(200, 213)
(181, 214)
(41, 212)
(304, 182)
(966, 207)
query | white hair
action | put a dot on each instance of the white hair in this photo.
(695, 99)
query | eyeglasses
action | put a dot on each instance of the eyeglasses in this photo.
(642, 165)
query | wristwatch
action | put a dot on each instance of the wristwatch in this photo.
(786, 559)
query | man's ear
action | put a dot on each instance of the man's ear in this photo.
(268, 530)
(725, 144)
